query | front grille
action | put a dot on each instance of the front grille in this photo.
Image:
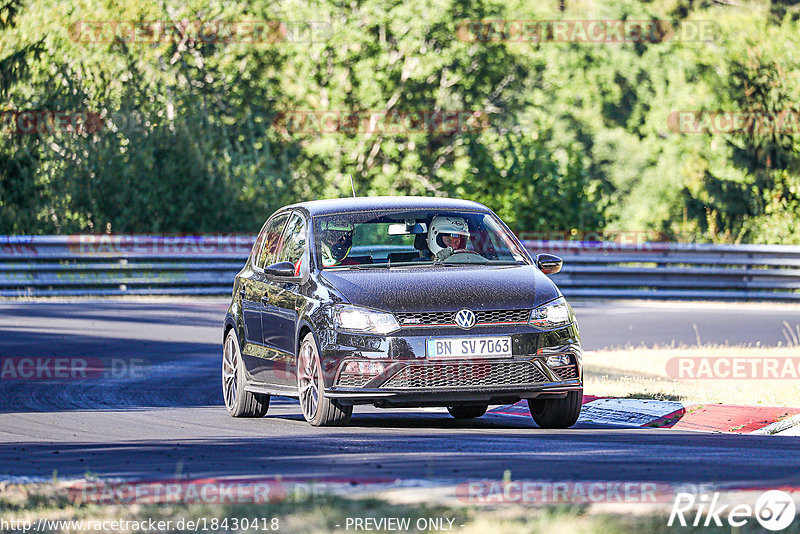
(567, 373)
(465, 374)
(502, 316)
(425, 318)
(448, 318)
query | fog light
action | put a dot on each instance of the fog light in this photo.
(363, 368)
(559, 360)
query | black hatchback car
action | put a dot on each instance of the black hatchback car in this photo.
(398, 302)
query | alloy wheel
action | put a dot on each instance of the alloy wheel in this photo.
(230, 359)
(308, 381)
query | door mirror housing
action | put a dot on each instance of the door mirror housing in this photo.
(549, 264)
(286, 271)
(282, 269)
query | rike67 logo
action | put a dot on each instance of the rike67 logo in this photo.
(774, 510)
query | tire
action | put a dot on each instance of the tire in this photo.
(318, 409)
(467, 411)
(238, 401)
(557, 413)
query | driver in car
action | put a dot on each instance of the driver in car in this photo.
(337, 240)
(446, 235)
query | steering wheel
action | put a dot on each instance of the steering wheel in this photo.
(465, 251)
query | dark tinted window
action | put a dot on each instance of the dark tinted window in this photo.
(259, 242)
(272, 239)
(294, 240)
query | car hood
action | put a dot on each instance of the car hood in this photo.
(444, 288)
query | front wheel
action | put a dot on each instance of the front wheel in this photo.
(557, 413)
(238, 401)
(318, 409)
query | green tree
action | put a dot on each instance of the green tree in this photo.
(18, 191)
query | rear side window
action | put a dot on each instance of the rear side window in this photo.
(294, 240)
(271, 240)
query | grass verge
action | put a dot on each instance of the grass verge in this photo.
(330, 513)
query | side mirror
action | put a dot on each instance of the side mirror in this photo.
(549, 264)
(282, 269)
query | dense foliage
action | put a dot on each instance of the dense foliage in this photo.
(200, 134)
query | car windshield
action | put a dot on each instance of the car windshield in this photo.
(363, 240)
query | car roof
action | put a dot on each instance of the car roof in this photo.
(341, 205)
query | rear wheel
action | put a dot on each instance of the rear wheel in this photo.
(467, 411)
(318, 409)
(557, 413)
(238, 401)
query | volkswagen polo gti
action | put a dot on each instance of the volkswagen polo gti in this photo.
(398, 302)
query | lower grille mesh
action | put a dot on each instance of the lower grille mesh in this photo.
(567, 373)
(444, 375)
(353, 381)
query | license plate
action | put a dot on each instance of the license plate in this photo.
(468, 347)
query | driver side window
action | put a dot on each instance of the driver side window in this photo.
(294, 240)
(272, 238)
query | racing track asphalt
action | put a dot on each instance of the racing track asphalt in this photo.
(166, 417)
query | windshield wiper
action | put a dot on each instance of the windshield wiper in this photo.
(357, 266)
(366, 266)
(411, 264)
(459, 264)
(488, 263)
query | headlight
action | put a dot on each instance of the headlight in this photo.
(363, 320)
(551, 315)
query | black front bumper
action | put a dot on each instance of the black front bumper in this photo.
(449, 397)
(409, 379)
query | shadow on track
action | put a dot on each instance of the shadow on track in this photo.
(94, 372)
(458, 454)
(201, 314)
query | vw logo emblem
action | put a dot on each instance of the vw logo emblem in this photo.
(465, 318)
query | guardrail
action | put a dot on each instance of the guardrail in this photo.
(206, 265)
(675, 270)
(121, 265)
